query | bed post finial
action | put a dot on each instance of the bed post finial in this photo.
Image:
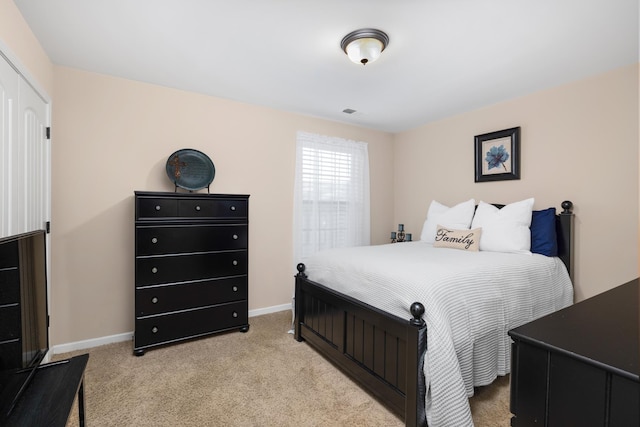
(417, 310)
(567, 205)
(301, 267)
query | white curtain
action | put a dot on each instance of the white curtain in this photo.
(331, 199)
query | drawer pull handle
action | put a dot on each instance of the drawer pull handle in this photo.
(157, 207)
(233, 208)
(235, 289)
(235, 262)
(235, 314)
(154, 270)
(198, 208)
(154, 329)
(154, 300)
(235, 237)
(154, 240)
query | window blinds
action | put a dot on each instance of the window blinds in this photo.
(331, 199)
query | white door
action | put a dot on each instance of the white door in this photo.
(25, 155)
(9, 87)
(33, 161)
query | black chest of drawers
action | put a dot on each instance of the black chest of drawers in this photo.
(191, 266)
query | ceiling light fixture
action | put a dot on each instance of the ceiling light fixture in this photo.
(364, 45)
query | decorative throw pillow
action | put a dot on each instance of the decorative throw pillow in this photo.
(544, 239)
(458, 217)
(468, 240)
(506, 229)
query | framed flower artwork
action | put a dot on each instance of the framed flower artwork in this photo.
(497, 155)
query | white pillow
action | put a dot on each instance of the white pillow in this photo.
(458, 217)
(506, 229)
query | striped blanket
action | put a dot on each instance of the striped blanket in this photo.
(471, 299)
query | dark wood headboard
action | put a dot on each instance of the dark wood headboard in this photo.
(564, 232)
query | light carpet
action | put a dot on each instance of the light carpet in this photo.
(259, 378)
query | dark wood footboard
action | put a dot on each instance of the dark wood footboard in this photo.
(382, 352)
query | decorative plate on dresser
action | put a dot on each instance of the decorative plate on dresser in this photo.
(191, 266)
(190, 169)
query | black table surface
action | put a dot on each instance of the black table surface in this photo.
(602, 330)
(49, 398)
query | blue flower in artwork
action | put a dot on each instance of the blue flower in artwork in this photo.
(496, 156)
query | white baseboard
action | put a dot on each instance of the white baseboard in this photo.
(127, 336)
(93, 342)
(269, 310)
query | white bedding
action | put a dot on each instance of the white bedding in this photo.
(471, 300)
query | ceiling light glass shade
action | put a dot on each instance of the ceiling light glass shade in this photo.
(364, 46)
(363, 51)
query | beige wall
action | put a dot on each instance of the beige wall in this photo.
(579, 142)
(113, 136)
(25, 48)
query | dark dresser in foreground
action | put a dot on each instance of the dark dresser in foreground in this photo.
(191, 266)
(580, 365)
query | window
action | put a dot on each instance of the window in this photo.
(331, 199)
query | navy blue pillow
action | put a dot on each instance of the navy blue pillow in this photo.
(543, 232)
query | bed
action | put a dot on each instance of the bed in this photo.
(406, 348)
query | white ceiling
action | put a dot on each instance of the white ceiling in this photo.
(444, 56)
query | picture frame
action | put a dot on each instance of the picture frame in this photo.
(497, 155)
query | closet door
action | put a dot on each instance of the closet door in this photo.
(32, 186)
(25, 155)
(9, 84)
